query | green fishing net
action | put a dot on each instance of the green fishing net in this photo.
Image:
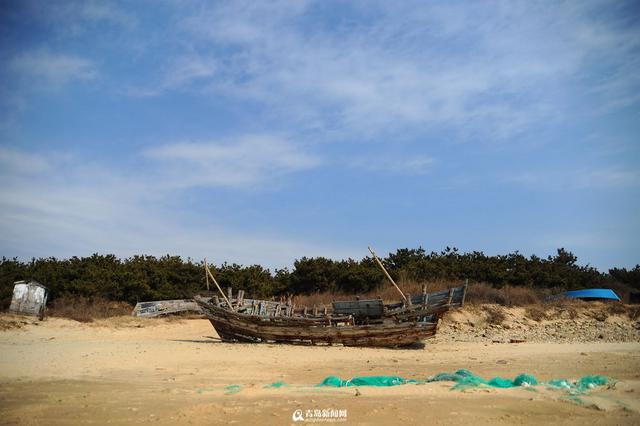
(465, 379)
(276, 385)
(231, 389)
(581, 385)
(590, 382)
(450, 377)
(474, 381)
(335, 381)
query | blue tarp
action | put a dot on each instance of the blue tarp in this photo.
(593, 293)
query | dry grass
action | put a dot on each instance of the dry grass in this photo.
(617, 308)
(566, 303)
(600, 310)
(536, 302)
(482, 293)
(537, 306)
(477, 293)
(536, 313)
(10, 321)
(494, 315)
(388, 293)
(85, 310)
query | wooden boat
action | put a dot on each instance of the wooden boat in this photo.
(350, 323)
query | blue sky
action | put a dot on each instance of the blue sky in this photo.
(261, 132)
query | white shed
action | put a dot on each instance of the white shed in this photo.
(29, 297)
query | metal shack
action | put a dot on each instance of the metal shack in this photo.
(29, 297)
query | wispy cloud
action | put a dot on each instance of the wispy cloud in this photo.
(247, 161)
(52, 70)
(77, 17)
(489, 69)
(101, 11)
(16, 161)
(188, 68)
(180, 72)
(414, 165)
(69, 207)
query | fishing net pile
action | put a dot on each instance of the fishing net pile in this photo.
(465, 379)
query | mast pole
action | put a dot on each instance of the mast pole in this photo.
(206, 268)
(387, 274)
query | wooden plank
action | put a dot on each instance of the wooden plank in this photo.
(360, 308)
(164, 307)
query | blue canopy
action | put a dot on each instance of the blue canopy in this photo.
(593, 293)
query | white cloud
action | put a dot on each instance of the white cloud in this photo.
(248, 161)
(179, 74)
(188, 68)
(415, 165)
(51, 70)
(17, 161)
(101, 11)
(490, 69)
(67, 208)
(75, 18)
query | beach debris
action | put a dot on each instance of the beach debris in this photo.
(29, 298)
(232, 389)
(335, 381)
(164, 307)
(465, 379)
(581, 385)
(276, 385)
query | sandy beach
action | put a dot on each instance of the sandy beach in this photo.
(126, 370)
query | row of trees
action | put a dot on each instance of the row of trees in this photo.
(168, 277)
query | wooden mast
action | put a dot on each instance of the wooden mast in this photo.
(206, 268)
(387, 274)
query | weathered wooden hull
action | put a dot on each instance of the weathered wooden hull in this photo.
(427, 304)
(164, 307)
(234, 326)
